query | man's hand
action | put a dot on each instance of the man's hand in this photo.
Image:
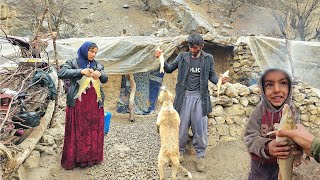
(224, 80)
(157, 53)
(87, 72)
(280, 149)
(300, 135)
(224, 77)
(96, 74)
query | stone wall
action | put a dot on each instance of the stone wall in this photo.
(307, 102)
(231, 111)
(112, 92)
(243, 66)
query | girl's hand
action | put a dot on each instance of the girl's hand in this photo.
(280, 149)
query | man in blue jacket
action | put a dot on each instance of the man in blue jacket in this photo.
(192, 100)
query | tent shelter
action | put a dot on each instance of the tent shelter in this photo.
(135, 55)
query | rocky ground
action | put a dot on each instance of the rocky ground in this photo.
(131, 151)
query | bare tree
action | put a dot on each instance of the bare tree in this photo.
(229, 6)
(32, 11)
(58, 11)
(233, 5)
(39, 11)
(298, 19)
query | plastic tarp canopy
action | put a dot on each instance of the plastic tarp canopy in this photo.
(121, 55)
(301, 59)
(9, 50)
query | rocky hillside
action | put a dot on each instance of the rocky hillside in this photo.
(87, 18)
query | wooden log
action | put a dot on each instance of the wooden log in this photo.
(54, 38)
(133, 88)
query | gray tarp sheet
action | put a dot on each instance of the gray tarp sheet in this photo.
(300, 58)
(133, 54)
(121, 55)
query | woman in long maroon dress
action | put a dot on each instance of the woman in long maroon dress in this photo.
(84, 132)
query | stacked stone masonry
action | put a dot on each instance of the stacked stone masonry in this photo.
(243, 66)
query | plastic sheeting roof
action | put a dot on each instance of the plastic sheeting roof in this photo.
(121, 55)
(299, 58)
(128, 54)
(133, 54)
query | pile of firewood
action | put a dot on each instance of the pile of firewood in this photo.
(19, 91)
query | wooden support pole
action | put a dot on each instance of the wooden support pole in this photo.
(133, 88)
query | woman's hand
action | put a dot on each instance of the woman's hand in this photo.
(96, 74)
(87, 72)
